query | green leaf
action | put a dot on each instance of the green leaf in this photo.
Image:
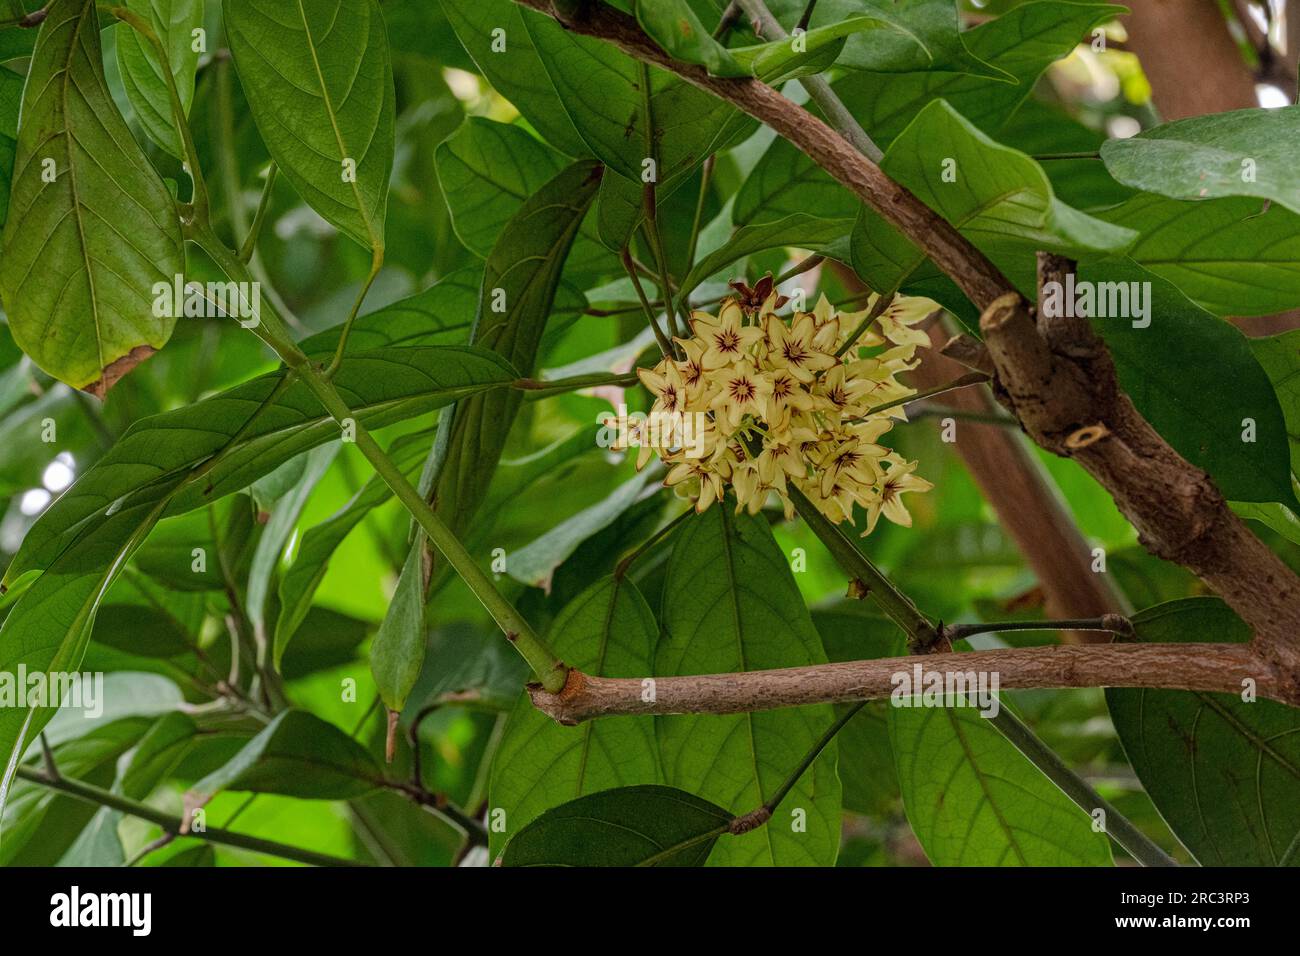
(48, 629)
(630, 826)
(786, 182)
(1230, 256)
(730, 605)
(81, 253)
(974, 800)
(602, 90)
(320, 85)
(274, 537)
(801, 230)
(997, 197)
(521, 279)
(397, 654)
(607, 631)
(11, 98)
(173, 22)
(157, 454)
(1197, 381)
(853, 631)
(1239, 153)
(297, 755)
(520, 282)
(926, 35)
(675, 27)
(487, 171)
(440, 315)
(40, 824)
(1222, 772)
(494, 34)
(299, 583)
(1021, 43)
(536, 561)
(149, 764)
(1279, 356)
(1040, 129)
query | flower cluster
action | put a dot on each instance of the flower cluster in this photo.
(770, 402)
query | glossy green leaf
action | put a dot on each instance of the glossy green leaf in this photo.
(608, 631)
(1223, 773)
(299, 583)
(494, 34)
(156, 455)
(11, 98)
(319, 82)
(974, 800)
(82, 251)
(1230, 256)
(675, 27)
(521, 280)
(1239, 153)
(48, 629)
(630, 826)
(275, 535)
(40, 825)
(730, 605)
(1197, 381)
(536, 561)
(1279, 356)
(149, 763)
(174, 23)
(926, 35)
(997, 197)
(487, 171)
(298, 755)
(1022, 43)
(785, 182)
(397, 655)
(602, 90)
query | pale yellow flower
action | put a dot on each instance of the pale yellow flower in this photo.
(726, 339)
(792, 348)
(897, 481)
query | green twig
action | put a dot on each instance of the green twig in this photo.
(95, 795)
(963, 381)
(255, 230)
(897, 605)
(665, 346)
(1114, 623)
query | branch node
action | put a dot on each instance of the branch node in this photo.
(1085, 436)
(750, 821)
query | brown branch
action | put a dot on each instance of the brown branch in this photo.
(1202, 667)
(1189, 57)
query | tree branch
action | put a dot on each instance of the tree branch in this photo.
(1203, 667)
